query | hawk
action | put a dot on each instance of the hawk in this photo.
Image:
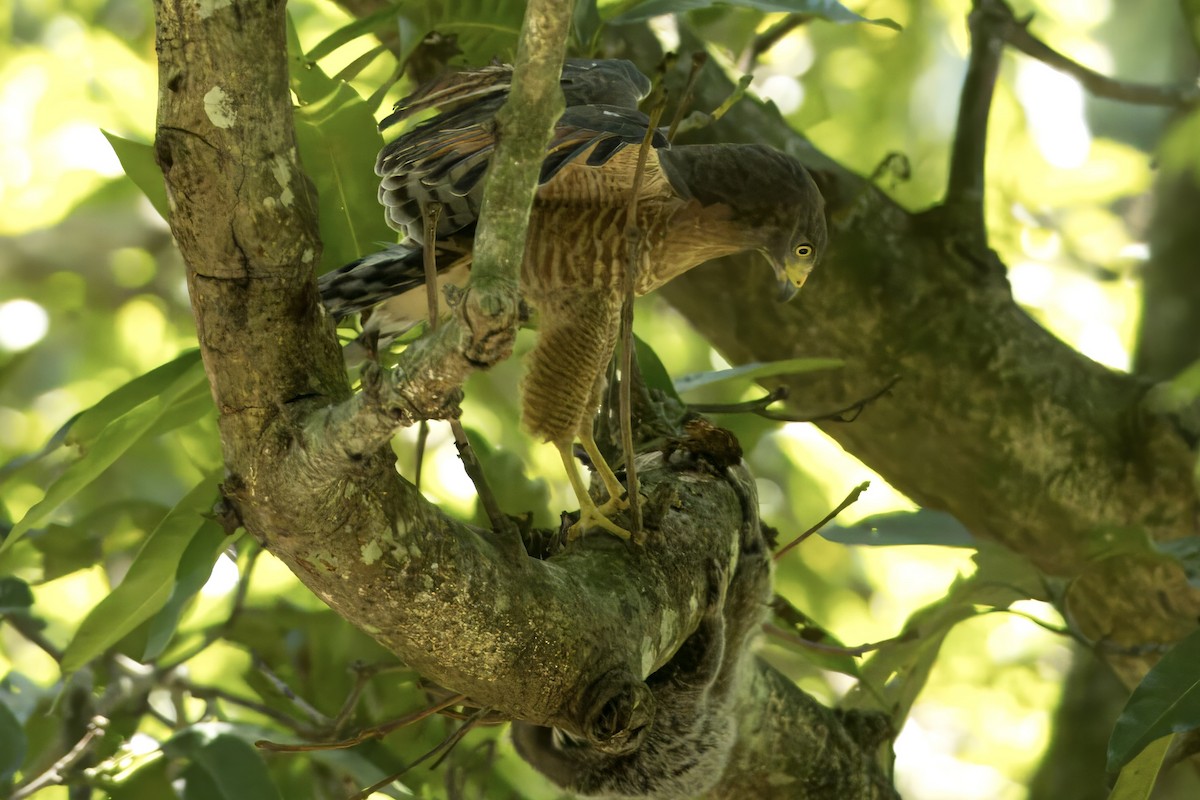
(695, 203)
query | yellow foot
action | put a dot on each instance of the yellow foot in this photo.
(591, 517)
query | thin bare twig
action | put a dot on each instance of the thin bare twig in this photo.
(842, 506)
(699, 59)
(837, 415)
(318, 719)
(633, 236)
(54, 775)
(28, 627)
(1018, 35)
(965, 185)
(857, 651)
(374, 732)
(442, 749)
(769, 38)
(748, 406)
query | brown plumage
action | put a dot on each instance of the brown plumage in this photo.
(695, 203)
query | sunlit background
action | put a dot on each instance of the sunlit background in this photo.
(92, 295)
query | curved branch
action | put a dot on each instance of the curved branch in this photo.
(995, 420)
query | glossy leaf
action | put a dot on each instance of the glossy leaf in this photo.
(88, 425)
(116, 438)
(348, 33)
(195, 567)
(755, 371)
(654, 373)
(1137, 779)
(338, 141)
(829, 10)
(150, 581)
(1166, 701)
(137, 159)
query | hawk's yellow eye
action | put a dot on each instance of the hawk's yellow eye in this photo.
(804, 250)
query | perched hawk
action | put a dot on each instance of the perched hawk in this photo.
(695, 203)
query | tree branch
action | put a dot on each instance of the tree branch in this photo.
(1051, 454)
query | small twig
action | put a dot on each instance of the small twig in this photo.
(857, 651)
(699, 59)
(633, 238)
(699, 119)
(53, 776)
(28, 627)
(374, 732)
(1018, 35)
(442, 749)
(965, 185)
(842, 506)
(422, 439)
(318, 719)
(363, 675)
(500, 523)
(769, 38)
(837, 415)
(745, 407)
(213, 693)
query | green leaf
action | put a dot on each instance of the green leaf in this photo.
(137, 159)
(12, 746)
(829, 10)
(348, 33)
(338, 141)
(921, 527)
(15, 596)
(195, 567)
(585, 24)
(88, 425)
(1166, 701)
(1137, 779)
(111, 442)
(150, 581)
(225, 766)
(653, 372)
(755, 371)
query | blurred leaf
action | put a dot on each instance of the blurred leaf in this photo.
(585, 24)
(1166, 701)
(653, 372)
(150, 580)
(15, 596)
(12, 746)
(348, 33)
(755, 371)
(111, 442)
(338, 141)
(1137, 779)
(829, 10)
(922, 527)
(483, 29)
(88, 425)
(226, 766)
(195, 567)
(1180, 148)
(137, 159)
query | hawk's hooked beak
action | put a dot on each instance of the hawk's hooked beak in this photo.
(791, 275)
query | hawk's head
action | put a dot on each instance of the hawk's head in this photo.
(772, 199)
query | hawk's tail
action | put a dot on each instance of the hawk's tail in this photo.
(372, 279)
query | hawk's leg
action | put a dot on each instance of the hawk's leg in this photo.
(616, 500)
(589, 515)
